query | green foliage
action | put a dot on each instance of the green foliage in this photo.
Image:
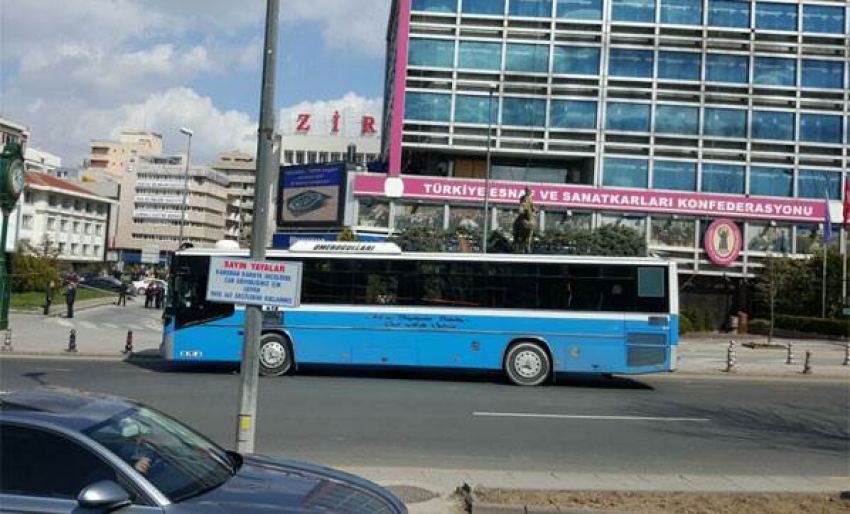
(346, 235)
(759, 326)
(804, 325)
(33, 269)
(609, 240)
(685, 324)
(793, 287)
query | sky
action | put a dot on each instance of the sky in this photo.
(78, 70)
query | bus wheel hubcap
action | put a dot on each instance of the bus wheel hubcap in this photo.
(273, 355)
(528, 364)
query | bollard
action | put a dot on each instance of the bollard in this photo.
(730, 357)
(790, 359)
(807, 364)
(128, 347)
(847, 354)
(7, 343)
(72, 341)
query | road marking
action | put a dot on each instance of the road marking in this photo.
(578, 416)
(64, 322)
(88, 324)
(110, 325)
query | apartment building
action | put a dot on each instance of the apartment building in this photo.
(241, 170)
(111, 159)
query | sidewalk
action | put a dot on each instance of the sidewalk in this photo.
(417, 483)
(58, 309)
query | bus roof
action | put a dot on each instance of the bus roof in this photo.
(445, 256)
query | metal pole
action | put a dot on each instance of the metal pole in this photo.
(487, 170)
(246, 424)
(823, 285)
(5, 277)
(185, 184)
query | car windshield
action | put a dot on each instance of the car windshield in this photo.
(177, 460)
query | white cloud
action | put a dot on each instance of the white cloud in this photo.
(355, 26)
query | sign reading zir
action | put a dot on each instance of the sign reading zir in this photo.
(247, 282)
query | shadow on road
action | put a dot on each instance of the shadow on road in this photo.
(593, 381)
(779, 426)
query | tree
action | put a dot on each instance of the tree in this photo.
(34, 267)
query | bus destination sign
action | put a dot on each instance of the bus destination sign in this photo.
(247, 282)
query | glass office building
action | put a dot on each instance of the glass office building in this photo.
(664, 115)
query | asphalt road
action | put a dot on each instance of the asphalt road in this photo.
(653, 425)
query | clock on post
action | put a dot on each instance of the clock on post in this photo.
(11, 185)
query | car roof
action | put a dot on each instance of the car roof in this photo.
(70, 408)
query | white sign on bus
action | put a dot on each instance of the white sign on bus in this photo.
(247, 282)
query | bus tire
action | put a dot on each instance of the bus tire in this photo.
(527, 364)
(275, 355)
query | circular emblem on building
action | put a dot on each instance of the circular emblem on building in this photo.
(723, 242)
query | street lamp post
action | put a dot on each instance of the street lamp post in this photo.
(490, 90)
(189, 133)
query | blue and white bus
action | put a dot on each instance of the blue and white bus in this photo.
(369, 304)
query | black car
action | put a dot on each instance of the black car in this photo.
(105, 283)
(68, 451)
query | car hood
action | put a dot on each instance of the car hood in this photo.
(265, 485)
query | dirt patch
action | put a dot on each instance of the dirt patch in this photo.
(664, 503)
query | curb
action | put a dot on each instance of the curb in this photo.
(79, 356)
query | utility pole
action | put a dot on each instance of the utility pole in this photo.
(246, 421)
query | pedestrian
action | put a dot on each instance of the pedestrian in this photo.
(48, 297)
(149, 292)
(70, 297)
(122, 294)
(160, 296)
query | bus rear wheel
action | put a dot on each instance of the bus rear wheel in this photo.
(527, 364)
(275, 355)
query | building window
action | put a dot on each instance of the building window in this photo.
(86, 250)
(435, 5)
(679, 65)
(494, 7)
(474, 109)
(768, 238)
(525, 112)
(773, 125)
(628, 117)
(98, 250)
(76, 229)
(373, 213)
(766, 181)
(625, 173)
(63, 225)
(675, 119)
(820, 128)
(722, 178)
(66, 203)
(729, 13)
(823, 19)
(567, 220)
(527, 58)
(101, 209)
(775, 16)
(681, 12)
(62, 247)
(725, 122)
(630, 63)
(572, 114)
(642, 11)
(673, 232)
(75, 249)
(533, 8)
(819, 184)
(466, 218)
(431, 52)
(98, 230)
(823, 74)
(26, 221)
(775, 71)
(621, 220)
(53, 201)
(427, 107)
(674, 175)
(480, 56)
(418, 215)
(28, 197)
(576, 60)
(288, 156)
(727, 68)
(87, 228)
(51, 223)
(579, 9)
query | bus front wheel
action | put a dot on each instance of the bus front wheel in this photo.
(527, 364)
(275, 355)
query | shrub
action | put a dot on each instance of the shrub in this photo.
(32, 272)
(822, 326)
(685, 324)
(759, 326)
